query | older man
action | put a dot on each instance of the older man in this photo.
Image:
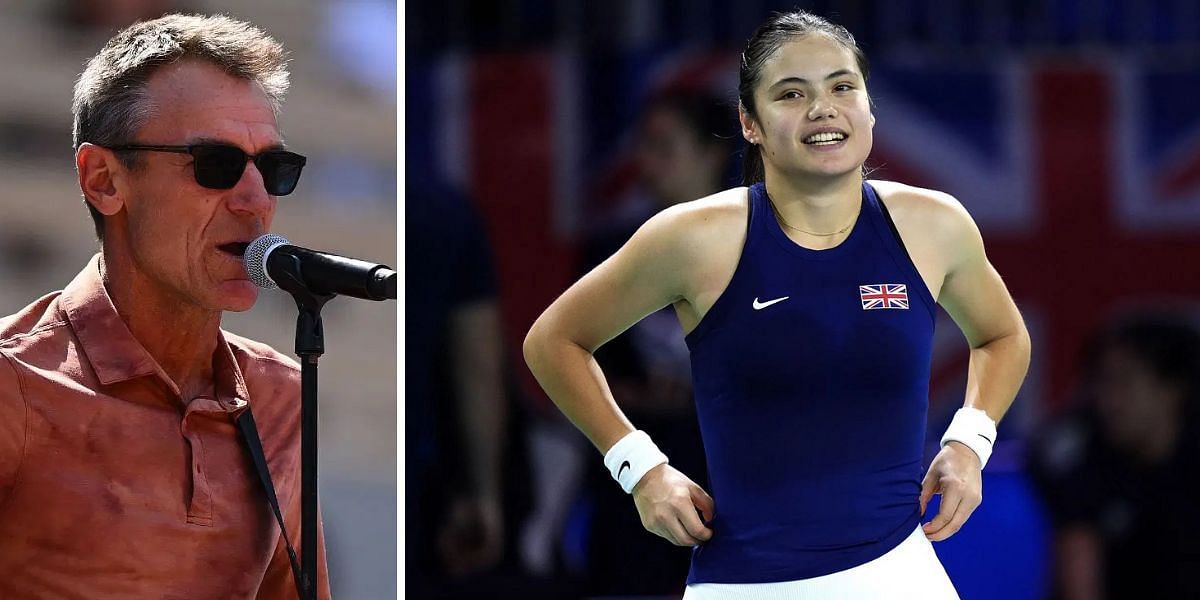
(122, 471)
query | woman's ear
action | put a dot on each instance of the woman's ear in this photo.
(749, 126)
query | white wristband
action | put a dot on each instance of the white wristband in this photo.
(631, 457)
(973, 428)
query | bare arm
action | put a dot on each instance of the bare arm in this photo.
(648, 273)
(978, 301)
(976, 298)
(951, 254)
(472, 538)
(643, 276)
(479, 386)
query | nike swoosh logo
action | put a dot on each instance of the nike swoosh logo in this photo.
(985, 437)
(624, 465)
(761, 305)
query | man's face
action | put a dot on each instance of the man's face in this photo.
(178, 231)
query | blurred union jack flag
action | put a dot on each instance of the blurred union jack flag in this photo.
(884, 296)
(1083, 176)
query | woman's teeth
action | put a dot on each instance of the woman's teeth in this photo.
(824, 139)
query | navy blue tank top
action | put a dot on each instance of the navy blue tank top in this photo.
(811, 376)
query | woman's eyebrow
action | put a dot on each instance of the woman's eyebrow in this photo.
(802, 81)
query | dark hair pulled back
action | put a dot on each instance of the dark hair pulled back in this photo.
(766, 41)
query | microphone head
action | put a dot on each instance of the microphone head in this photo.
(255, 259)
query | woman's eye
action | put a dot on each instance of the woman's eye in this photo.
(792, 95)
(843, 87)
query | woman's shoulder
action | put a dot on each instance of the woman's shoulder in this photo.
(716, 211)
(699, 231)
(722, 202)
(921, 207)
(903, 197)
(687, 226)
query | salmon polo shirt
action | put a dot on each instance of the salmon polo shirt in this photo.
(114, 486)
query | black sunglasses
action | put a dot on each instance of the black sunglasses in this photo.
(220, 166)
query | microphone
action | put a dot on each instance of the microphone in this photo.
(271, 258)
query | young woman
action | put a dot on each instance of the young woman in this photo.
(808, 302)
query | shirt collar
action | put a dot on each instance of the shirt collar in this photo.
(116, 356)
(231, 388)
(111, 349)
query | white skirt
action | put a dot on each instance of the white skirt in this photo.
(908, 571)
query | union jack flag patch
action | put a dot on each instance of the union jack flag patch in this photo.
(884, 295)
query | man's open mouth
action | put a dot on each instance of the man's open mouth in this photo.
(237, 249)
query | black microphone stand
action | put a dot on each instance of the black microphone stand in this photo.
(310, 345)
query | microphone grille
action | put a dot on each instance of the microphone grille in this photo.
(255, 259)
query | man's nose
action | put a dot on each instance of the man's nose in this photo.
(250, 194)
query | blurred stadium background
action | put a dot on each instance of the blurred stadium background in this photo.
(1068, 130)
(341, 113)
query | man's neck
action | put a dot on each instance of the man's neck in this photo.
(179, 336)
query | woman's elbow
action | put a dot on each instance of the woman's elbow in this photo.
(532, 343)
(1023, 339)
(540, 336)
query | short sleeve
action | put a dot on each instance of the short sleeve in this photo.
(13, 419)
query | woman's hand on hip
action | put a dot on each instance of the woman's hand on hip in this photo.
(957, 475)
(670, 505)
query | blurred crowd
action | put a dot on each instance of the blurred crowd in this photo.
(1111, 470)
(458, 544)
(1115, 471)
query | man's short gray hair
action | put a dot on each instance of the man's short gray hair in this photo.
(110, 103)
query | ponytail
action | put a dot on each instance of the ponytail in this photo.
(752, 165)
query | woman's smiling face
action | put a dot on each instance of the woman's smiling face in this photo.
(812, 115)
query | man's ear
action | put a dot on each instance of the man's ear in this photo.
(749, 126)
(99, 175)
